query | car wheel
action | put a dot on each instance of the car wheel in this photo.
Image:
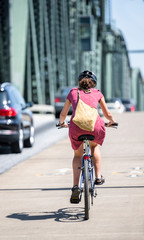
(30, 141)
(17, 146)
(57, 114)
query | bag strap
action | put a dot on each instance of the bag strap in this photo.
(78, 94)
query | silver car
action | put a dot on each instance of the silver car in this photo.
(114, 105)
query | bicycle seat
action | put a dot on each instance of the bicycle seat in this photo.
(86, 137)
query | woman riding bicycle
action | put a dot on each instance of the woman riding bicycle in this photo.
(91, 96)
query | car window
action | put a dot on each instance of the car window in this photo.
(13, 98)
(16, 97)
(3, 99)
(20, 100)
(110, 100)
(113, 100)
(65, 91)
(126, 101)
(19, 97)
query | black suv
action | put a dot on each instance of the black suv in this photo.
(16, 120)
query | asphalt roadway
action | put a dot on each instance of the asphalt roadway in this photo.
(34, 195)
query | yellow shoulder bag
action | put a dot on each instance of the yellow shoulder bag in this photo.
(85, 115)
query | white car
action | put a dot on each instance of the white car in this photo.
(114, 105)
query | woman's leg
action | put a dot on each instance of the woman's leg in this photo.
(77, 162)
(95, 152)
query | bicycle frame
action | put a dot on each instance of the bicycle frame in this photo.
(87, 157)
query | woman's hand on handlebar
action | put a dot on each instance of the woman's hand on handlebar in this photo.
(65, 125)
(111, 124)
(62, 125)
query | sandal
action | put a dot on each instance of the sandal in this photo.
(99, 181)
(75, 195)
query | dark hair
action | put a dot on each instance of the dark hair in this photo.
(86, 83)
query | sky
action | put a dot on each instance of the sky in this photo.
(128, 16)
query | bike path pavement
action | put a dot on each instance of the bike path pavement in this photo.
(34, 195)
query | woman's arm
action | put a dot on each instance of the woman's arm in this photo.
(64, 112)
(106, 112)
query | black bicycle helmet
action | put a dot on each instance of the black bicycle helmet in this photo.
(88, 74)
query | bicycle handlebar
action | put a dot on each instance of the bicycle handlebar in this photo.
(106, 124)
(59, 126)
(112, 125)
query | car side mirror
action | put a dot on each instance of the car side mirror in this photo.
(29, 104)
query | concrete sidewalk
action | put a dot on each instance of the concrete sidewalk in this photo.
(34, 195)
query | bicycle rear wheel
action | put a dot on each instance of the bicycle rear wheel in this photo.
(86, 190)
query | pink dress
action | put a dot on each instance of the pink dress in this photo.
(91, 99)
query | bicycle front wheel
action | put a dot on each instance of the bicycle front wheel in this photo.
(86, 190)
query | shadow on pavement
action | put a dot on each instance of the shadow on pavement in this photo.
(35, 189)
(73, 214)
(121, 187)
(63, 189)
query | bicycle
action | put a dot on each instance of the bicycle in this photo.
(87, 180)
